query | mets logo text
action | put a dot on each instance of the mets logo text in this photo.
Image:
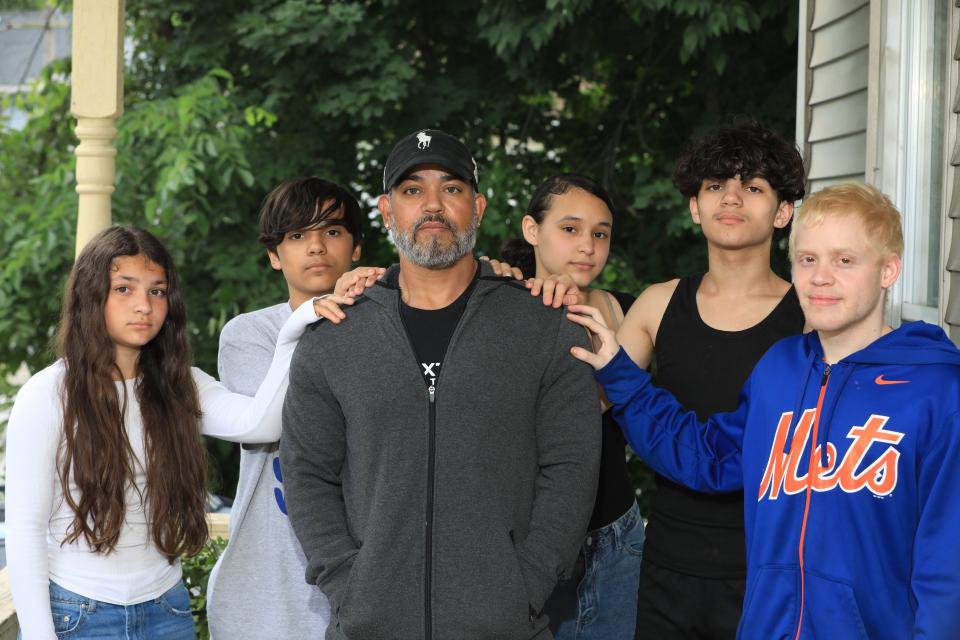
(853, 473)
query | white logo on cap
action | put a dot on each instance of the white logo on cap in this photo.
(423, 140)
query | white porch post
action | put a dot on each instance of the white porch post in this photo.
(96, 101)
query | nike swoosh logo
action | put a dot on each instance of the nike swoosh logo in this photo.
(879, 380)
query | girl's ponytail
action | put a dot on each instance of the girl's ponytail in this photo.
(519, 253)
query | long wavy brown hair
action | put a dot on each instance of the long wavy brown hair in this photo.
(97, 456)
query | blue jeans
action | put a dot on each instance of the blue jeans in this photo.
(78, 617)
(599, 601)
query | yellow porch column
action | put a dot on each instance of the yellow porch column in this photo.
(97, 101)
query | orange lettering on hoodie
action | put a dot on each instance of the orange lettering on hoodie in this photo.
(779, 463)
(881, 475)
(783, 469)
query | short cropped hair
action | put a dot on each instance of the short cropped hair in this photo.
(747, 149)
(304, 203)
(878, 214)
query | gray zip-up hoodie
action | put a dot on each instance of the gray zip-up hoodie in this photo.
(451, 517)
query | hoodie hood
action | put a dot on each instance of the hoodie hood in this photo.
(388, 285)
(914, 343)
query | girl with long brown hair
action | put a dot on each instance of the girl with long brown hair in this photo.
(106, 471)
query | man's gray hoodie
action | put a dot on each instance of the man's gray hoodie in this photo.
(449, 518)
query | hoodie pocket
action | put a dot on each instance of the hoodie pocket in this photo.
(358, 614)
(480, 590)
(518, 574)
(832, 610)
(770, 607)
(773, 597)
(503, 606)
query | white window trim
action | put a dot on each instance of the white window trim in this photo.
(897, 132)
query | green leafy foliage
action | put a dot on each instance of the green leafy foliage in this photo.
(38, 225)
(196, 575)
(224, 100)
(23, 5)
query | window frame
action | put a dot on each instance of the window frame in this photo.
(900, 125)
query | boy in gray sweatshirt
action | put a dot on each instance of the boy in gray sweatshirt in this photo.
(311, 230)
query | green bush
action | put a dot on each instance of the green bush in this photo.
(196, 574)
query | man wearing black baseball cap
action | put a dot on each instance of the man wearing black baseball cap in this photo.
(429, 146)
(435, 226)
(440, 450)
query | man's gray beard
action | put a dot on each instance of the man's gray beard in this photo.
(434, 255)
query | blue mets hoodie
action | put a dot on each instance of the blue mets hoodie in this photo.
(870, 547)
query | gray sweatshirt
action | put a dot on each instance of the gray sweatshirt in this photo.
(256, 589)
(450, 518)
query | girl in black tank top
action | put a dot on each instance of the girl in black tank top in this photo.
(567, 230)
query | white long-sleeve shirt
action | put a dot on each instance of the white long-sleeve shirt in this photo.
(38, 516)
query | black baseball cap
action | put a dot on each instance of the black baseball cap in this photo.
(429, 146)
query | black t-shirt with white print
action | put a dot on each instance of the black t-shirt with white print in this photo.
(430, 331)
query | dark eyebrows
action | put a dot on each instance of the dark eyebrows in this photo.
(575, 218)
(137, 280)
(323, 224)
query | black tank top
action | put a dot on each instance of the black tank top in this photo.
(689, 532)
(615, 493)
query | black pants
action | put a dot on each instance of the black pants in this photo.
(676, 606)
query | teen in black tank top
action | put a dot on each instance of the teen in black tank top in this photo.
(615, 493)
(688, 532)
(695, 533)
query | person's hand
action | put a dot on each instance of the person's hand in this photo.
(349, 285)
(354, 283)
(328, 307)
(502, 268)
(604, 340)
(556, 289)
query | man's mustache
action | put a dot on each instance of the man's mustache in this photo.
(433, 218)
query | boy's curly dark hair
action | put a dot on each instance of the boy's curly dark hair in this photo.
(744, 148)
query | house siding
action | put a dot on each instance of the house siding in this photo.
(848, 125)
(834, 132)
(952, 220)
